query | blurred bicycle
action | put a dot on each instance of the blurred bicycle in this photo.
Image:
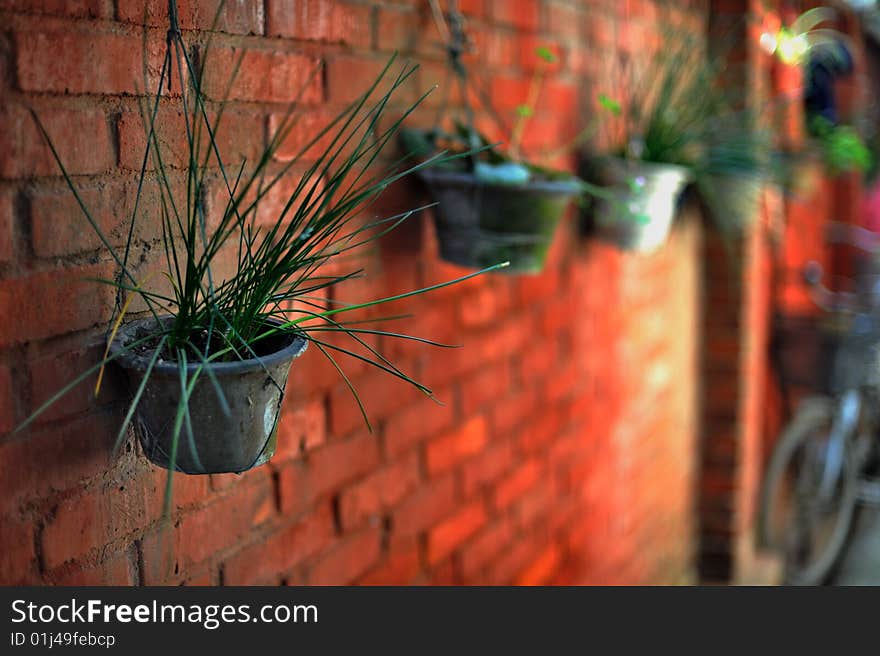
(825, 462)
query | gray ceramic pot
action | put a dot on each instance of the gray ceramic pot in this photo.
(644, 197)
(481, 224)
(241, 440)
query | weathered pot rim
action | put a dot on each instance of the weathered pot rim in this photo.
(737, 175)
(466, 179)
(647, 168)
(140, 362)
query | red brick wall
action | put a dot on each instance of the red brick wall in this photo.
(566, 448)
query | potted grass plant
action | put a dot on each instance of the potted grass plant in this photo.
(652, 142)
(737, 161)
(243, 297)
(492, 205)
(494, 208)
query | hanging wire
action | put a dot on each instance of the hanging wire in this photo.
(452, 28)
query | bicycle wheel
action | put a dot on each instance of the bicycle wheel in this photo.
(808, 530)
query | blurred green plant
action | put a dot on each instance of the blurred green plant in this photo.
(670, 97)
(842, 148)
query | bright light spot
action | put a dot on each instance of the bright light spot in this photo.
(792, 48)
(768, 42)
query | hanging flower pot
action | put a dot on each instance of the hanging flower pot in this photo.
(481, 223)
(207, 400)
(641, 201)
(732, 198)
(224, 439)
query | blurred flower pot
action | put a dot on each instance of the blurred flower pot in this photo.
(642, 200)
(480, 224)
(733, 198)
(221, 442)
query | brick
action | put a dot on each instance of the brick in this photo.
(282, 550)
(81, 137)
(206, 577)
(406, 29)
(426, 507)
(415, 423)
(18, 556)
(400, 567)
(537, 434)
(155, 13)
(537, 503)
(485, 547)
(380, 394)
(508, 414)
(478, 350)
(118, 69)
(487, 467)
(515, 485)
(59, 226)
(505, 569)
(563, 384)
(456, 446)
(47, 460)
(542, 569)
(380, 491)
(293, 487)
(113, 570)
(187, 491)
(76, 302)
(348, 560)
(8, 414)
(438, 271)
(71, 8)
(255, 476)
(326, 470)
(478, 390)
(302, 428)
(446, 536)
(564, 21)
(237, 16)
(302, 130)
(540, 363)
(348, 78)
(499, 49)
(238, 137)
(95, 519)
(195, 537)
(509, 92)
(276, 204)
(7, 226)
(316, 20)
(263, 76)
(523, 14)
(445, 573)
(337, 463)
(481, 307)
